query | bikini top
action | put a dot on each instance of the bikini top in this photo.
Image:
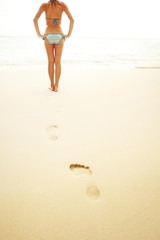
(54, 20)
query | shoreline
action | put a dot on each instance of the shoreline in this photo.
(69, 66)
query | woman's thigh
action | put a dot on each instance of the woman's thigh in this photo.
(50, 51)
(58, 51)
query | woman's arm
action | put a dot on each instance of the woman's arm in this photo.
(41, 9)
(66, 10)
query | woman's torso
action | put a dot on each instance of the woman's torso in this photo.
(53, 11)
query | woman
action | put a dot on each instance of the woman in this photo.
(54, 37)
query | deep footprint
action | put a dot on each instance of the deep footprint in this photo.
(80, 169)
(92, 191)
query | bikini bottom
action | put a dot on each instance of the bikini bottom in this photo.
(54, 38)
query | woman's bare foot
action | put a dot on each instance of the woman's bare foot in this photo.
(52, 88)
(56, 88)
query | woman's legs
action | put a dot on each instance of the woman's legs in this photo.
(51, 60)
(58, 54)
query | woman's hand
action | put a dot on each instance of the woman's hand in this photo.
(42, 36)
(65, 36)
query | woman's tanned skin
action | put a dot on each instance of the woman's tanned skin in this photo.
(54, 52)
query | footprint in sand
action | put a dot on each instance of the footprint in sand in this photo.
(50, 130)
(81, 170)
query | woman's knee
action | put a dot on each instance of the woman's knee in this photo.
(51, 61)
(58, 65)
(57, 62)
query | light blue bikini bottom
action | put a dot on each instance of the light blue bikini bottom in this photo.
(54, 38)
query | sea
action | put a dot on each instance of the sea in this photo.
(26, 52)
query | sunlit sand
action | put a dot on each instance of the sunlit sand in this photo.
(82, 163)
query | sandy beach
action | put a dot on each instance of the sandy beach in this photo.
(82, 163)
